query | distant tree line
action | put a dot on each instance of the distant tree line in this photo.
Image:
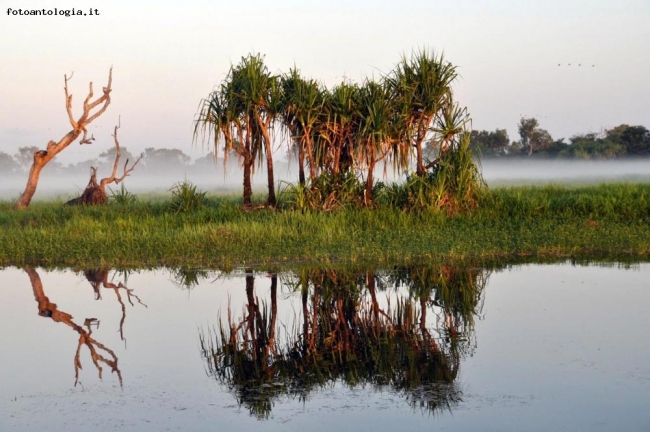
(154, 162)
(619, 142)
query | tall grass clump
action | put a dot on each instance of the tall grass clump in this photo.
(122, 197)
(457, 181)
(328, 192)
(186, 197)
(453, 185)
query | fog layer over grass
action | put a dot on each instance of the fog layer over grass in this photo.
(529, 172)
(215, 179)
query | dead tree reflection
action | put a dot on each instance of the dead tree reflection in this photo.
(98, 278)
(349, 335)
(99, 353)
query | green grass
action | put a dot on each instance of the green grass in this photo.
(596, 222)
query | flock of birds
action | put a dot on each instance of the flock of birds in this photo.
(579, 64)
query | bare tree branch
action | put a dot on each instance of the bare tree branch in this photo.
(92, 109)
(126, 172)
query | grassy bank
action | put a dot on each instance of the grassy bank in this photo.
(599, 222)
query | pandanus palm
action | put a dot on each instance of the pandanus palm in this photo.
(337, 128)
(257, 92)
(241, 113)
(450, 125)
(301, 107)
(219, 119)
(421, 86)
(376, 130)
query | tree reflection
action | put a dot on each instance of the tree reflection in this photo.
(187, 277)
(356, 328)
(99, 353)
(98, 278)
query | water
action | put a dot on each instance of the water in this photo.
(535, 347)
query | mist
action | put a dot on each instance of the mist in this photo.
(217, 179)
(563, 172)
(213, 178)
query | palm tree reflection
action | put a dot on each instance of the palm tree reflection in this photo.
(348, 334)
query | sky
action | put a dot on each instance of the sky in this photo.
(167, 56)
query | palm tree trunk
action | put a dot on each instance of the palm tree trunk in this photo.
(301, 164)
(374, 305)
(264, 128)
(369, 183)
(271, 200)
(336, 168)
(312, 162)
(420, 170)
(274, 314)
(248, 188)
(305, 317)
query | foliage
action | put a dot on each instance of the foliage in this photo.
(589, 146)
(161, 159)
(533, 138)
(188, 278)
(635, 139)
(122, 196)
(329, 192)
(619, 142)
(453, 185)
(186, 197)
(489, 144)
(8, 165)
(25, 156)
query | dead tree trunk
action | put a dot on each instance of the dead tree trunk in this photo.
(91, 110)
(95, 193)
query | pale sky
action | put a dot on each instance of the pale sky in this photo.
(168, 55)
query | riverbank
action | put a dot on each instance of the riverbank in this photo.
(605, 222)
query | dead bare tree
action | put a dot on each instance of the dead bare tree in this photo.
(95, 193)
(91, 110)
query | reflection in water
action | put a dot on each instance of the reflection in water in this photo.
(99, 353)
(188, 278)
(99, 278)
(411, 343)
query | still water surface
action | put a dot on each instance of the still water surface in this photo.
(534, 347)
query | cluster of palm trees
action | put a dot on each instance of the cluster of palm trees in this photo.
(342, 131)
